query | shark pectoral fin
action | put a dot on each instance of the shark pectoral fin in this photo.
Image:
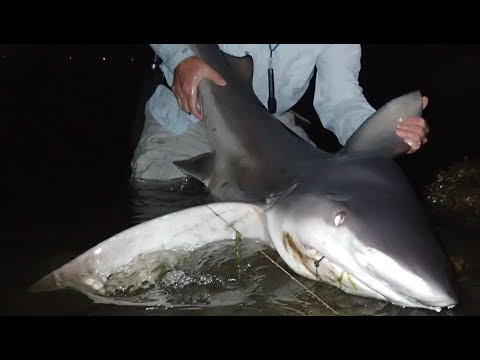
(377, 135)
(199, 167)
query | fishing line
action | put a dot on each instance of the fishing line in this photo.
(280, 267)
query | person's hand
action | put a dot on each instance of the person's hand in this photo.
(414, 130)
(187, 76)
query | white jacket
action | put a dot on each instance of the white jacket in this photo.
(338, 99)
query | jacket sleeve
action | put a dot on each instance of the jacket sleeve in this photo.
(339, 99)
(171, 55)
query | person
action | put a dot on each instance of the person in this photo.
(174, 130)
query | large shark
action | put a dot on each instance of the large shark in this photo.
(350, 219)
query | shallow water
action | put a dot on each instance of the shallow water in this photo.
(217, 279)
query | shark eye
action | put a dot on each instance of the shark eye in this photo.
(339, 218)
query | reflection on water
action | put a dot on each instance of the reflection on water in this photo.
(205, 277)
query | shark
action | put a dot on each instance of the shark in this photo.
(350, 219)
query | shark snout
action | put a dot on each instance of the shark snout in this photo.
(434, 297)
(402, 285)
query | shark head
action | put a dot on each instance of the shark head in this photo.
(365, 234)
(355, 222)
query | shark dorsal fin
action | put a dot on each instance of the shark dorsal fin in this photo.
(377, 135)
(200, 167)
(242, 67)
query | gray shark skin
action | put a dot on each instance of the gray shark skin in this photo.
(354, 210)
(349, 219)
